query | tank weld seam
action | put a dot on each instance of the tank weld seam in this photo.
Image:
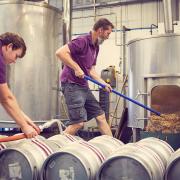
(155, 156)
(121, 143)
(95, 150)
(54, 141)
(167, 145)
(70, 137)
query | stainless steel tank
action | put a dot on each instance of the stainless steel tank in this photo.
(162, 148)
(131, 162)
(154, 76)
(24, 160)
(137, 161)
(172, 170)
(34, 78)
(80, 160)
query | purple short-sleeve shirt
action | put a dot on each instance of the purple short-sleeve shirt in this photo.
(2, 67)
(84, 53)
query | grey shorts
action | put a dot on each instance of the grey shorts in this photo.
(81, 103)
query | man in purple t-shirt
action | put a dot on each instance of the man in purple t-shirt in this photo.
(79, 58)
(12, 47)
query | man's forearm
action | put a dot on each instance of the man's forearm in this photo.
(67, 60)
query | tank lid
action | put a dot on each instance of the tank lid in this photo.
(65, 165)
(41, 4)
(151, 37)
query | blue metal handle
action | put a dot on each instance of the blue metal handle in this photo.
(125, 97)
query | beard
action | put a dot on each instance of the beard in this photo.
(100, 40)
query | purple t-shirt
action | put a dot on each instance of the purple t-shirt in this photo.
(84, 53)
(2, 67)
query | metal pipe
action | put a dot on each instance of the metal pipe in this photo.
(67, 17)
(124, 59)
(168, 20)
(109, 4)
(94, 8)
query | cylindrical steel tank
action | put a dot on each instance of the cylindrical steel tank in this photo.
(173, 166)
(34, 78)
(162, 148)
(80, 160)
(27, 156)
(137, 161)
(153, 65)
(24, 160)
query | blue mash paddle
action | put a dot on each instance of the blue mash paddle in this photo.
(125, 97)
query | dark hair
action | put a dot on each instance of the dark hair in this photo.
(17, 41)
(102, 23)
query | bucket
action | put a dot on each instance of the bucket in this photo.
(132, 161)
(173, 166)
